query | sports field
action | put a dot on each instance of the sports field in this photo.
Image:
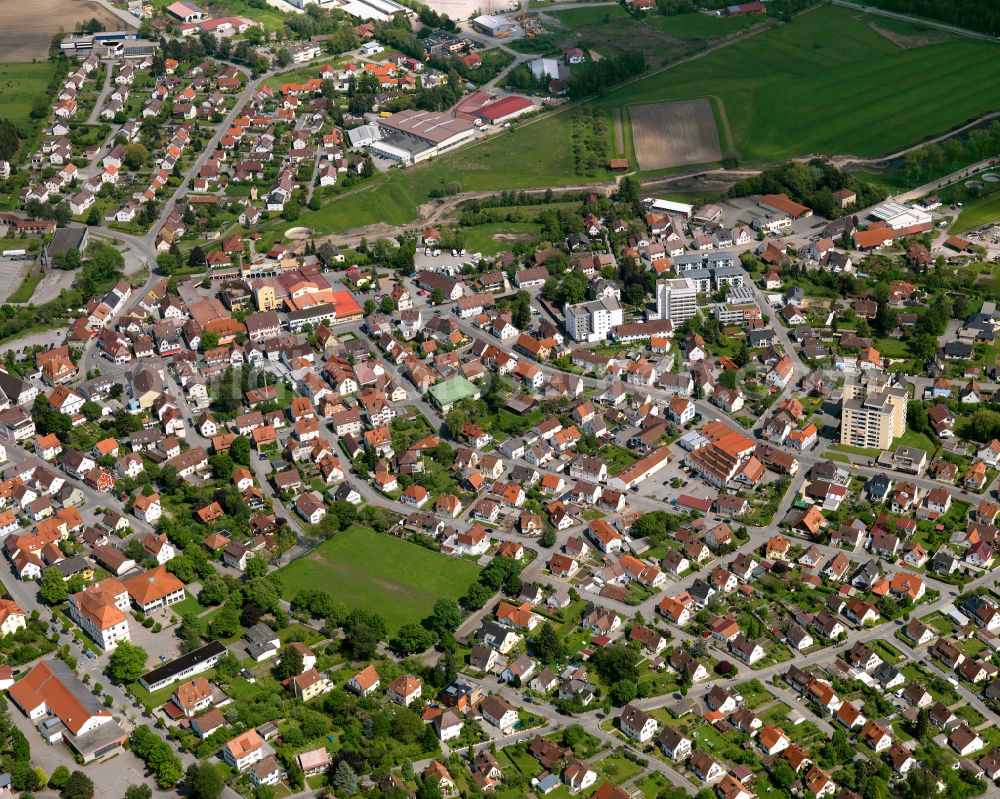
(19, 85)
(365, 569)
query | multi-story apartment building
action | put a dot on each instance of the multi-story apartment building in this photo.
(592, 321)
(676, 299)
(873, 410)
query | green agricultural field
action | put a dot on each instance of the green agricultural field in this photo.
(702, 26)
(365, 569)
(575, 18)
(19, 85)
(795, 89)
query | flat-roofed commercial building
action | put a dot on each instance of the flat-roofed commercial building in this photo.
(494, 25)
(411, 136)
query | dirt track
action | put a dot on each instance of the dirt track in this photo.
(25, 32)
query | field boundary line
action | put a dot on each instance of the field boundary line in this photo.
(728, 147)
(619, 131)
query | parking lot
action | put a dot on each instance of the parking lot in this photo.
(12, 272)
(743, 210)
(443, 262)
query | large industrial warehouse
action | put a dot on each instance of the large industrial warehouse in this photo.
(412, 136)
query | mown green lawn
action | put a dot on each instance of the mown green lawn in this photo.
(891, 348)
(939, 622)
(911, 438)
(754, 694)
(976, 213)
(187, 605)
(365, 569)
(618, 769)
(652, 785)
(863, 451)
(497, 237)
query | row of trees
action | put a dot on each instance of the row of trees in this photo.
(596, 77)
(935, 157)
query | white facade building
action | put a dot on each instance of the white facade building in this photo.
(592, 321)
(676, 300)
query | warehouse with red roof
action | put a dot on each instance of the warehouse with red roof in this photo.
(505, 109)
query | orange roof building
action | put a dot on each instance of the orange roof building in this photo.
(52, 687)
(100, 611)
(154, 589)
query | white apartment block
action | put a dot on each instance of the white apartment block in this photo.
(873, 410)
(676, 299)
(593, 321)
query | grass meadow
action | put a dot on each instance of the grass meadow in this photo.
(20, 83)
(702, 26)
(804, 87)
(365, 569)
